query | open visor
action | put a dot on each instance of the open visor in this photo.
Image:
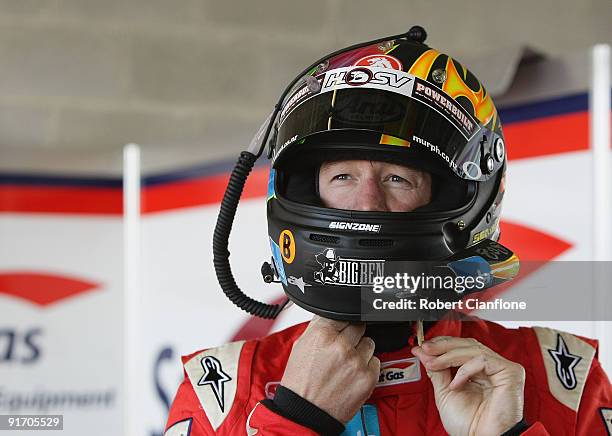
(402, 109)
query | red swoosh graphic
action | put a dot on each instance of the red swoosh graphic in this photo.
(529, 244)
(42, 289)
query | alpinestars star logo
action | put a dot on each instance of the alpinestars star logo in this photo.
(565, 363)
(215, 377)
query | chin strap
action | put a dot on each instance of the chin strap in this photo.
(419, 332)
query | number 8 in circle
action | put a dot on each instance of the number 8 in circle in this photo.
(286, 242)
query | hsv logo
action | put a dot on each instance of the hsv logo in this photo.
(400, 371)
(42, 288)
(215, 377)
(380, 61)
(377, 78)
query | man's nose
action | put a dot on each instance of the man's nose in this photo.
(370, 196)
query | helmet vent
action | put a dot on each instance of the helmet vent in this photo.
(324, 238)
(376, 243)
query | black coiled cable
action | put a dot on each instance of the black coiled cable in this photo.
(221, 240)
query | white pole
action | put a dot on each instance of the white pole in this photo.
(132, 413)
(599, 101)
(599, 111)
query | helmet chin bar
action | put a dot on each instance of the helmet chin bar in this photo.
(236, 183)
(488, 259)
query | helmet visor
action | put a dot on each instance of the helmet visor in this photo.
(406, 111)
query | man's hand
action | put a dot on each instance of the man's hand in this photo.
(332, 365)
(486, 395)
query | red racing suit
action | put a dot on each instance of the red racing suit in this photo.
(566, 390)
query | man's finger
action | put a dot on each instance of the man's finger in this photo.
(442, 344)
(353, 333)
(374, 365)
(365, 348)
(439, 379)
(422, 355)
(468, 370)
(460, 356)
(455, 358)
(320, 322)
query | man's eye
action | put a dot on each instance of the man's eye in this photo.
(396, 178)
(341, 177)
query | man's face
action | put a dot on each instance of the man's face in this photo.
(373, 186)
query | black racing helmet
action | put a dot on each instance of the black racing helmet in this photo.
(392, 99)
(398, 101)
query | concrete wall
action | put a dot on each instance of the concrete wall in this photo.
(191, 80)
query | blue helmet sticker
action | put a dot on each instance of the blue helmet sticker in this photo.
(278, 261)
(271, 178)
(473, 266)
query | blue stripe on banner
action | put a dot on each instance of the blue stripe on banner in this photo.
(541, 109)
(65, 181)
(191, 173)
(197, 172)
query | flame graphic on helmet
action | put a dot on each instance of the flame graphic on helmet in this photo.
(423, 64)
(455, 86)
